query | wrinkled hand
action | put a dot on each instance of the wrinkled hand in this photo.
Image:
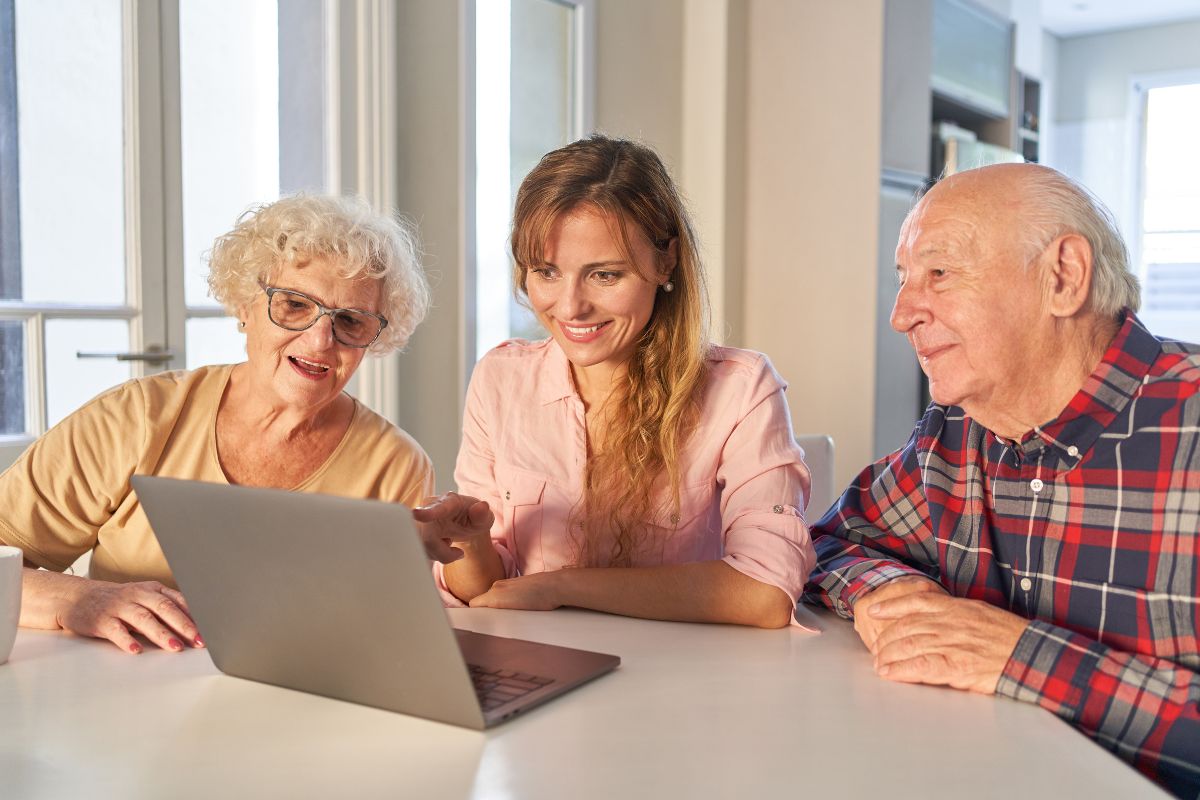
(449, 519)
(115, 611)
(938, 639)
(867, 626)
(537, 592)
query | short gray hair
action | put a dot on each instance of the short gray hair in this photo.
(361, 242)
(1053, 204)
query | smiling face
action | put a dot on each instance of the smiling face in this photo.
(306, 369)
(593, 297)
(971, 308)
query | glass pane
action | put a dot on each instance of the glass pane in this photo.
(1172, 161)
(1170, 247)
(214, 340)
(229, 106)
(12, 377)
(524, 108)
(71, 157)
(72, 381)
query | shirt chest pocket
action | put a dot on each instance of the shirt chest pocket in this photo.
(521, 500)
(693, 533)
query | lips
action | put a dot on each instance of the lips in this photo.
(927, 353)
(583, 333)
(310, 369)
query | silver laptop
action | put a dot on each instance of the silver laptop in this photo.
(334, 596)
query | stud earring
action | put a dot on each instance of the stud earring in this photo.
(242, 324)
(668, 287)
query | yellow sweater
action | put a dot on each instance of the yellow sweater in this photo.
(70, 493)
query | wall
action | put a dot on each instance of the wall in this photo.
(774, 133)
(813, 120)
(639, 81)
(1092, 131)
(430, 172)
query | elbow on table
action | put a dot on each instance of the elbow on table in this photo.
(768, 607)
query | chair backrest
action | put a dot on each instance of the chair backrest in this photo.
(818, 454)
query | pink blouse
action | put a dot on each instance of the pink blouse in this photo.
(743, 483)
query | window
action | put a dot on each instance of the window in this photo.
(1168, 238)
(116, 173)
(65, 282)
(531, 97)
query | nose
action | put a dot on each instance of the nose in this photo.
(910, 309)
(572, 302)
(320, 334)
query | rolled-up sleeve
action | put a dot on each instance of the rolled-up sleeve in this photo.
(765, 487)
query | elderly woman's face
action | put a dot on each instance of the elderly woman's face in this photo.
(307, 369)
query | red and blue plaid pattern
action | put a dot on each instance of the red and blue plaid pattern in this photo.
(1088, 527)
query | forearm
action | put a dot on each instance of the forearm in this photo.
(46, 595)
(845, 573)
(705, 591)
(476, 571)
(1144, 709)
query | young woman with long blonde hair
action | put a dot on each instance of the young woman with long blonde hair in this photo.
(625, 464)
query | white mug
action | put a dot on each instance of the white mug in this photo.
(10, 598)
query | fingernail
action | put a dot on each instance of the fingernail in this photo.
(174, 644)
(884, 670)
(135, 648)
(198, 641)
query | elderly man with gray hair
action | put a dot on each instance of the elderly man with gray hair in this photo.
(1037, 535)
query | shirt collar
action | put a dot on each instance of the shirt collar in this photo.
(555, 382)
(1104, 395)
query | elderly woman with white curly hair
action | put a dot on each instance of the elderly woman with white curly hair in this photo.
(315, 283)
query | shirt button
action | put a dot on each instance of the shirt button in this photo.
(778, 509)
(1073, 451)
(1036, 484)
(508, 495)
(1026, 584)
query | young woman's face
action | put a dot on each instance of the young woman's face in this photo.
(588, 294)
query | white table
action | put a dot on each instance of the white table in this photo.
(694, 711)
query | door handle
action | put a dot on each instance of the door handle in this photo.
(152, 355)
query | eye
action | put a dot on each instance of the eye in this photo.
(606, 277)
(296, 305)
(350, 322)
(937, 273)
(545, 273)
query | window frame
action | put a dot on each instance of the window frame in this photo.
(1135, 152)
(360, 142)
(583, 100)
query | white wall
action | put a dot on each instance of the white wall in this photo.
(1091, 114)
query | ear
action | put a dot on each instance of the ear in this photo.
(670, 258)
(1070, 274)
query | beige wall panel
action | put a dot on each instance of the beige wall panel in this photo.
(814, 76)
(639, 81)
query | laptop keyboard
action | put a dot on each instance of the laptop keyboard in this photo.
(495, 687)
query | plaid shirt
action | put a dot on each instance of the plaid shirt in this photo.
(1088, 527)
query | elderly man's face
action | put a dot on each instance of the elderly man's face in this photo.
(969, 307)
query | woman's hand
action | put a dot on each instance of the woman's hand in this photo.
(536, 592)
(113, 611)
(452, 519)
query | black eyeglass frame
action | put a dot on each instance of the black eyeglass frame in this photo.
(322, 310)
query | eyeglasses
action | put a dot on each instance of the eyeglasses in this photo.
(294, 311)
